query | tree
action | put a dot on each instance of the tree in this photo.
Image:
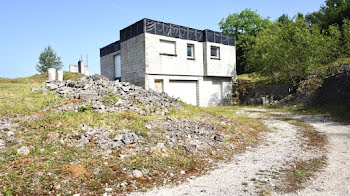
(244, 26)
(284, 18)
(286, 52)
(346, 36)
(48, 59)
(333, 12)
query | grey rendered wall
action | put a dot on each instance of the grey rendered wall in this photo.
(225, 66)
(173, 65)
(206, 96)
(107, 65)
(132, 58)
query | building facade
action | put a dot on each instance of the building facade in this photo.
(196, 66)
(80, 68)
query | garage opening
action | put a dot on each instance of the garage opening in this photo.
(185, 90)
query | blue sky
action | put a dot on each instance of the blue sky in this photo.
(79, 27)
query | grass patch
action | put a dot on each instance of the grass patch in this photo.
(338, 112)
(110, 98)
(314, 138)
(300, 172)
(252, 77)
(17, 98)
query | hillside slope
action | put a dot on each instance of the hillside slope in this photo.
(91, 136)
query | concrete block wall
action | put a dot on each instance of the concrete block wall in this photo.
(74, 69)
(225, 66)
(107, 65)
(132, 59)
(173, 65)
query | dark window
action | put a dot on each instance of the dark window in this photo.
(215, 52)
(190, 50)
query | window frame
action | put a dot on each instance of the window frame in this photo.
(167, 54)
(192, 57)
(218, 55)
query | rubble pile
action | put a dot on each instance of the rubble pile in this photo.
(105, 139)
(103, 95)
(192, 135)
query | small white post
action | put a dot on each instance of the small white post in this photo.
(59, 75)
(52, 74)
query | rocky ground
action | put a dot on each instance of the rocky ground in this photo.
(265, 168)
(98, 137)
(101, 95)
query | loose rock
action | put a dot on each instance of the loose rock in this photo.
(24, 150)
(137, 173)
(102, 95)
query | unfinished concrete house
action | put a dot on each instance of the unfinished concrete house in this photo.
(80, 68)
(196, 66)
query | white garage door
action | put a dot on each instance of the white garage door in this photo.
(185, 90)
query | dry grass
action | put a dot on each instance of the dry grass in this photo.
(52, 163)
(300, 171)
(314, 139)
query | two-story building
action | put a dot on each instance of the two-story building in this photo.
(196, 66)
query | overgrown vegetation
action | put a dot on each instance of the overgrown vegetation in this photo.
(287, 49)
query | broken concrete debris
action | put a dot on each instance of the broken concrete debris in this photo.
(102, 95)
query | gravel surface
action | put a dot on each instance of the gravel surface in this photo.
(236, 178)
(249, 170)
(335, 179)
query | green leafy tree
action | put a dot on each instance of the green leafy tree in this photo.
(48, 59)
(244, 26)
(286, 52)
(284, 18)
(346, 36)
(333, 12)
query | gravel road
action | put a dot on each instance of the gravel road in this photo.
(335, 179)
(249, 170)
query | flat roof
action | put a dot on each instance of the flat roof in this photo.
(170, 30)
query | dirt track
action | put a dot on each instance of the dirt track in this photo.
(251, 173)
